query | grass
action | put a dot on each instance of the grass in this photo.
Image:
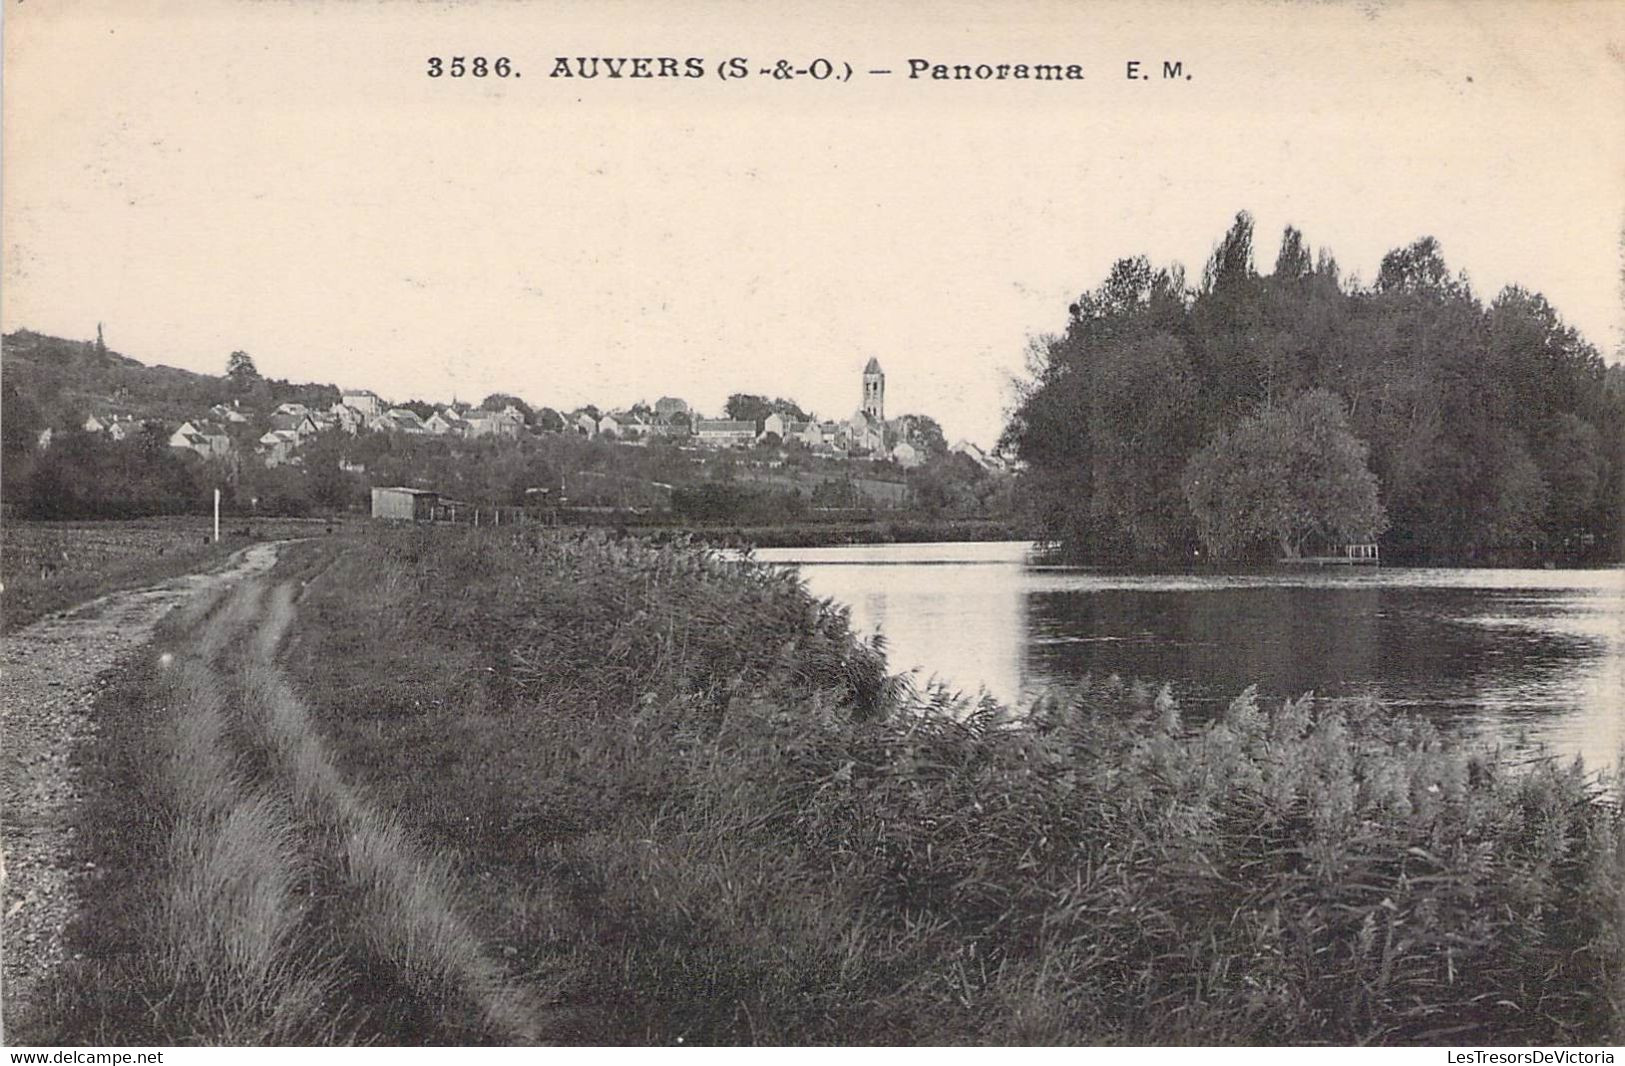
(257, 898)
(695, 809)
(890, 529)
(457, 786)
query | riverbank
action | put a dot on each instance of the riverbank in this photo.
(684, 804)
(831, 533)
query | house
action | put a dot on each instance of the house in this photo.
(365, 402)
(905, 454)
(445, 421)
(207, 439)
(625, 424)
(400, 420)
(508, 422)
(278, 445)
(725, 432)
(119, 427)
(978, 456)
(403, 504)
(866, 431)
(347, 418)
(301, 426)
(807, 433)
(123, 427)
(830, 438)
(192, 442)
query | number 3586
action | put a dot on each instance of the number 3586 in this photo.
(471, 67)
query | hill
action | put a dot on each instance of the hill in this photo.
(55, 382)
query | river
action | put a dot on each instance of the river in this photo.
(1518, 657)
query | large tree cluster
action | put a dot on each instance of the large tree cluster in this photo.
(1253, 415)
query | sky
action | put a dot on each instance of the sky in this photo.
(282, 177)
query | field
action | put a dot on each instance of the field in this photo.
(501, 786)
(50, 566)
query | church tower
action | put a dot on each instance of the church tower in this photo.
(874, 391)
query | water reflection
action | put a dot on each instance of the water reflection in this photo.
(1508, 653)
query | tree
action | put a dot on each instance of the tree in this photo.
(924, 433)
(948, 483)
(1418, 270)
(790, 410)
(1574, 467)
(151, 439)
(1293, 261)
(1105, 424)
(20, 422)
(1488, 427)
(330, 486)
(1287, 475)
(497, 401)
(241, 371)
(747, 407)
(1231, 264)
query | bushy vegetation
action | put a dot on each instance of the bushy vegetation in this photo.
(83, 475)
(692, 807)
(1491, 431)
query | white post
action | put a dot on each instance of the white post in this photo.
(217, 516)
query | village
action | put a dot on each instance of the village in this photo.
(235, 433)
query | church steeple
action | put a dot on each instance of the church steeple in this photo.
(874, 390)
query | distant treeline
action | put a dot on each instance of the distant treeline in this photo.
(1254, 416)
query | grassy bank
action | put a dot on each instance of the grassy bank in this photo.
(824, 534)
(810, 532)
(687, 805)
(440, 785)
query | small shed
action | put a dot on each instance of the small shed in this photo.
(407, 505)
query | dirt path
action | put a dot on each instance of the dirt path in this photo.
(389, 915)
(287, 906)
(50, 672)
